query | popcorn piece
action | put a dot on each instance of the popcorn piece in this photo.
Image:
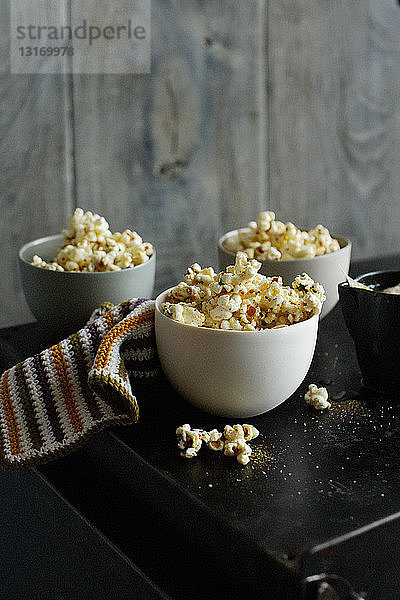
(236, 438)
(220, 314)
(238, 448)
(317, 397)
(205, 435)
(233, 433)
(250, 432)
(269, 239)
(184, 314)
(215, 441)
(189, 440)
(241, 299)
(90, 246)
(53, 266)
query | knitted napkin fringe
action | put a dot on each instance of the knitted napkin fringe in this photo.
(54, 402)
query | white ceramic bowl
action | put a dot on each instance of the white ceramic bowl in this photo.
(234, 374)
(328, 269)
(63, 301)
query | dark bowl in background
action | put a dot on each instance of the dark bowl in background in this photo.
(373, 320)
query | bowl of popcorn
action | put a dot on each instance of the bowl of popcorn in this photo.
(237, 343)
(66, 276)
(285, 250)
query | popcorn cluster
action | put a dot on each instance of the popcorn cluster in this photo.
(317, 397)
(273, 240)
(89, 245)
(242, 299)
(191, 440)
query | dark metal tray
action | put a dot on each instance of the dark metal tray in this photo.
(50, 550)
(320, 495)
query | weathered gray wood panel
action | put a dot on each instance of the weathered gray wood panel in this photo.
(334, 143)
(292, 106)
(34, 177)
(176, 154)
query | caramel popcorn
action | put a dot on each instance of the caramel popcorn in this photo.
(89, 245)
(268, 239)
(242, 299)
(317, 397)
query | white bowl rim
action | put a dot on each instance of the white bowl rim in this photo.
(344, 244)
(59, 236)
(212, 331)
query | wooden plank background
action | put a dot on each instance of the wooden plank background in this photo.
(36, 159)
(290, 106)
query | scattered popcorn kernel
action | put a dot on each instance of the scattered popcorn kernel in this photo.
(241, 299)
(215, 441)
(189, 440)
(250, 432)
(243, 457)
(233, 433)
(190, 452)
(90, 246)
(238, 448)
(269, 239)
(317, 397)
(236, 436)
(205, 435)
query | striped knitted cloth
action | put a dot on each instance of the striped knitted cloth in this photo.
(53, 402)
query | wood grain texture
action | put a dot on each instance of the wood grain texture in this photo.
(175, 154)
(35, 177)
(291, 106)
(334, 118)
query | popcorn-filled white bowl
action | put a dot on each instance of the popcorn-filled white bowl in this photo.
(234, 374)
(328, 270)
(63, 301)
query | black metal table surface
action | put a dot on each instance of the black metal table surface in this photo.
(48, 550)
(320, 494)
